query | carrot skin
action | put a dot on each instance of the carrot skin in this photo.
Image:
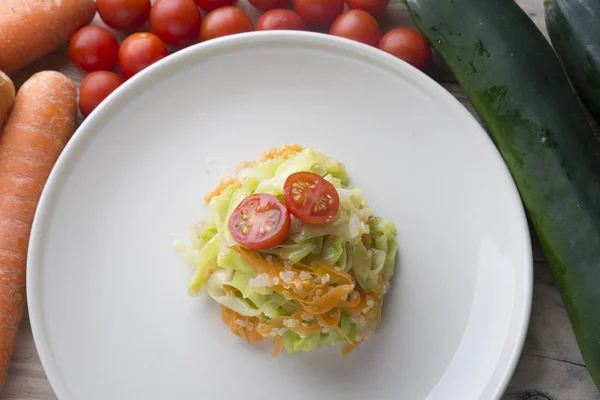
(7, 97)
(41, 122)
(30, 29)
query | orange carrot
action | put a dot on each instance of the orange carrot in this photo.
(40, 124)
(30, 29)
(7, 97)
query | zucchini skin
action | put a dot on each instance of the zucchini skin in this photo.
(519, 89)
(574, 28)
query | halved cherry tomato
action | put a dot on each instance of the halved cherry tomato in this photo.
(260, 222)
(311, 198)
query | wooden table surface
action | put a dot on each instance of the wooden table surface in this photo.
(551, 366)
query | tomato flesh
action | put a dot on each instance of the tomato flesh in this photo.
(311, 198)
(260, 222)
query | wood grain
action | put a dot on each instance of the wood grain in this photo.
(551, 366)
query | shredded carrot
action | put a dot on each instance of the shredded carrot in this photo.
(321, 301)
(230, 317)
(278, 346)
(284, 152)
(331, 296)
(225, 183)
(348, 348)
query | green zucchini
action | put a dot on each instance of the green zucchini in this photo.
(519, 89)
(574, 28)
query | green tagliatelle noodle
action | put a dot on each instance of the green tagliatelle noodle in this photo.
(355, 242)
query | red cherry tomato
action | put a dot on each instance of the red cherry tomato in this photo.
(93, 48)
(311, 198)
(280, 19)
(373, 7)
(209, 5)
(356, 25)
(139, 51)
(225, 21)
(95, 88)
(266, 5)
(260, 222)
(319, 13)
(124, 15)
(408, 45)
(175, 22)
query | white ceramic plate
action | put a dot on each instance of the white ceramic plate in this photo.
(107, 293)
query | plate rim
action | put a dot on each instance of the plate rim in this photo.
(150, 75)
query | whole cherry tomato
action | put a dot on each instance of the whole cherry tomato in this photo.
(138, 51)
(124, 15)
(225, 21)
(408, 45)
(280, 19)
(95, 88)
(266, 5)
(175, 22)
(319, 13)
(356, 25)
(373, 7)
(209, 5)
(93, 48)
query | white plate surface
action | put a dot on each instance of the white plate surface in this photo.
(107, 293)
